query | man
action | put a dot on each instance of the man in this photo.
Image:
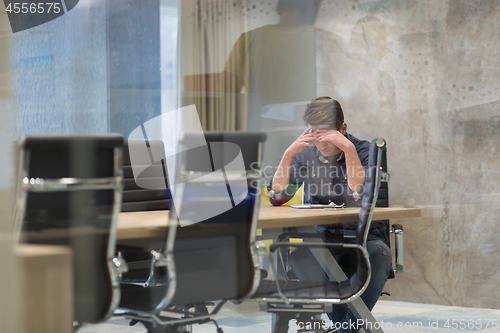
(330, 163)
(277, 61)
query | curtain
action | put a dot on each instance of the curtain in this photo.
(208, 31)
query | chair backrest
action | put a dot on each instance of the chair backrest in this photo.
(69, 193)
(368, 203)
(149, 189)
(372, 189)
(217, 187)
(383, 193)
(146, 188)
(383, 201)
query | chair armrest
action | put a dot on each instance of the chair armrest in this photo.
(364, 256)
(275, 246)
(286, 235)
(120, 265)
(283, 259)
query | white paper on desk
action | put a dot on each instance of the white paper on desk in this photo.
(331, 205)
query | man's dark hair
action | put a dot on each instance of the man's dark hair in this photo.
(324, 111)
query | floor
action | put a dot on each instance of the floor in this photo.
(392, 316)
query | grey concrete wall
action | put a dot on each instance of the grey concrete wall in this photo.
(425, 76)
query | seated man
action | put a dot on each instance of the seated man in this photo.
(331, 165)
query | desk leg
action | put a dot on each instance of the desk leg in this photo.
(335, 273)
(278, 324)
(273, 234)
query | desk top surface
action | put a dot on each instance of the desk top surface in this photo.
(152, 223)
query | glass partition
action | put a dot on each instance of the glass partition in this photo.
(103, 66)
(421, 74)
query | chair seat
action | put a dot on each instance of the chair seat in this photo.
(138, 298)
(309, 289)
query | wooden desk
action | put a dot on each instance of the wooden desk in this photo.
(285, 216)
(150, 224)
(46, 286)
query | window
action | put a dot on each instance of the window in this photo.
(104, 66)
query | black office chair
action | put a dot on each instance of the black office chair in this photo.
(291, 298)
(210, 251)
(69, 193)
(145, 189)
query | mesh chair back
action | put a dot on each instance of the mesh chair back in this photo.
(69, 193)
(149, 189)
(146, 188)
